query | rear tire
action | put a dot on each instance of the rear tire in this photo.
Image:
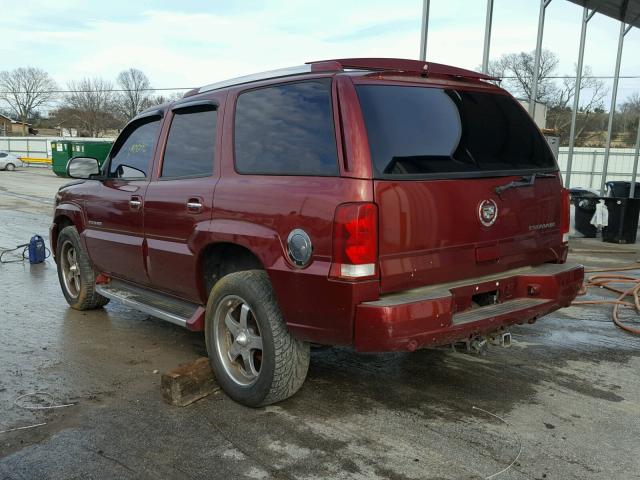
(10, 167)
(75, 272)
(254, 357)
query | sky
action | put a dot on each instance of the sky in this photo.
(192, 43)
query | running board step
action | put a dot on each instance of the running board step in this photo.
(156, 304)
(496, 310)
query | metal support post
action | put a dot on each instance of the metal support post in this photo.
(536, 64)
(487, 37)
(635, 164)
(586, 16)
(594, 156)
(425, 30)
(614, 94)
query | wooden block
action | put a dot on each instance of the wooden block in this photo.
(188, 383)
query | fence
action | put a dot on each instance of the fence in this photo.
(586, 168)
(37, 147)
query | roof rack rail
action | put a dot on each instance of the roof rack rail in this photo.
(374, 64)
(281, 72)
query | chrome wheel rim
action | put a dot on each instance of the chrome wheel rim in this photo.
(238, 340)
(11, 167)
(70, 268)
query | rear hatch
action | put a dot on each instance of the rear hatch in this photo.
(438, 155)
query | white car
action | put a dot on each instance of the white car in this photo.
(9, 161)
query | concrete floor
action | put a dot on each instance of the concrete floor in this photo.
(568, 390)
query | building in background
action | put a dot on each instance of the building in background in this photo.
(540, 116)
(10, 127)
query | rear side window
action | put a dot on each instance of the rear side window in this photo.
(432, 131)
(133, 154)
(286, 130)
(2, 155)
(190, 150)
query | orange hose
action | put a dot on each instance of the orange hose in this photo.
(631, 266)
(603, 281)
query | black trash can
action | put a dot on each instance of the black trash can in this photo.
(621, 189)
(623, 220)
(584, 202)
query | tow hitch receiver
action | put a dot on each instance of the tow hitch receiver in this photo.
(480, 343)
(501, 339)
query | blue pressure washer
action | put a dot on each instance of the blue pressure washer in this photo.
(36, 251)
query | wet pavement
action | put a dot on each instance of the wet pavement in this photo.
(564, 399)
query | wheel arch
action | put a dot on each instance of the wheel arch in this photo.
(222, 258)
(60, 222)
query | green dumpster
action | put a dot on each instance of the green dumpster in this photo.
(63, 150)
(60, 155)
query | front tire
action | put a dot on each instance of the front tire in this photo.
(254, 357)
(10, 167)
(75, 272)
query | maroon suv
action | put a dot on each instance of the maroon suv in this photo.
(380, 203)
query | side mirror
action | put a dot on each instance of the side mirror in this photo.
(83, 167)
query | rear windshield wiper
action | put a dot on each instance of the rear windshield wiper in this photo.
(525, 181)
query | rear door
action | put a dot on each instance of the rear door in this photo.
(438, 155)
(180, 197)
(114, 231)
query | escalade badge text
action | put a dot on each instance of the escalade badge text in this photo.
(487, 212)
(542, 226)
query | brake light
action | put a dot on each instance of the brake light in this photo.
(565, 214)
(355, 241)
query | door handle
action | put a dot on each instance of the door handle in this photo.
(194, 205)
(135, 203)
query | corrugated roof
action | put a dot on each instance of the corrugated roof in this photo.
(627, 11)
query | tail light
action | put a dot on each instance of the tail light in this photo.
(355, 241)
(565, 213)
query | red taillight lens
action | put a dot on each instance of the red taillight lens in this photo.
(355, 241)
(565, 213)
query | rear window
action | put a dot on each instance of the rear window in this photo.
(286, 130)
(437, 132)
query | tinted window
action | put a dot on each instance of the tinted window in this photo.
(191, 144)
(286, 129)
(416, 130)
(2, 155)
(132, 156)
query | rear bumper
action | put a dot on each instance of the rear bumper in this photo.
(439, 315)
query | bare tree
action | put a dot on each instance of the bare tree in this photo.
(167, 97)
(594, 86)
(592, 94)
(136, 94)
(628, 115)
(517, 71)
(632, 103)
(24, 90)
(89, 106)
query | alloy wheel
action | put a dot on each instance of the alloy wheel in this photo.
(70, 268)
(237, 339)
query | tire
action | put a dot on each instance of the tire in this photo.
(250, 375)
(78, 283)
(10, 167)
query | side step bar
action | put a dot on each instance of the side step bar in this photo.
(167, 308)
